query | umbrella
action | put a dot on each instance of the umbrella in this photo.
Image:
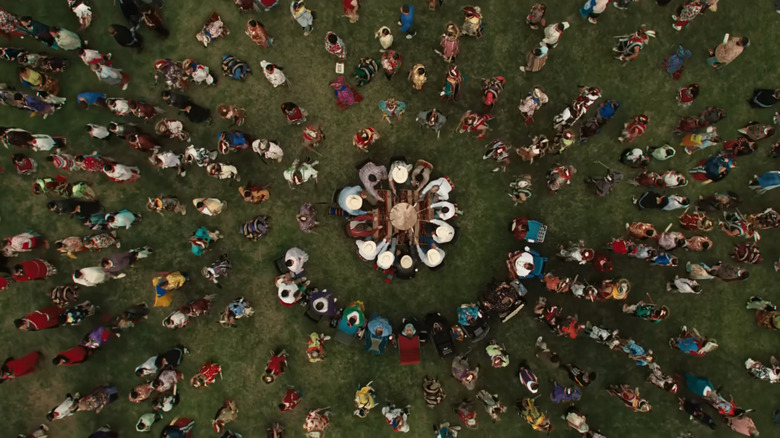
(355, 312)
(699, 385)
(379, 322)
(323, 303)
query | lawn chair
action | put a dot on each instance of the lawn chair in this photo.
(379, 332)
(473, 322)
(530, 231)
(351, 323)
(439, 330)
(504, 300)
(409, 342)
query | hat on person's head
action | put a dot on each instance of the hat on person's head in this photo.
(434, 256)
(354, 202)
(565, 25)
(537, 93)
(407, 262)
(399, 174)
(385, 260)
(445, 233)
(367, 247)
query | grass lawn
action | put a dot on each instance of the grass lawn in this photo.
(583, 57)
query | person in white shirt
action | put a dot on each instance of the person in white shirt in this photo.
(443, 233)
(120, 107)
(385, 37)
(97, 131)
(64, 409)
(444, 210)
(91, 276)
(82, 11)
(431, 258)
(287, 289)
(439, 188)
(274, 74)
(368, 249)
(295, 258)
(147, 368)
(400, 172)
(553, 32)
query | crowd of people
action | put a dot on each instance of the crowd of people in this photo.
(399, 215)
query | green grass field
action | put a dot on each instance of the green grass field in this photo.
(583, 57)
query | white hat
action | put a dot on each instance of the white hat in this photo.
(407, 262)
(367, 247)
(385, 260)
(400, 173)
(354, 202)
(434, 256)
(445, 233)
(565, 25)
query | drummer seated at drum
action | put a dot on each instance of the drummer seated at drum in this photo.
(368, 249)
(362, 226)
(421, 174)
(431, 258)
(439, 188)
(438, 232)
(399, 174)
(351, 200)
(445, 210)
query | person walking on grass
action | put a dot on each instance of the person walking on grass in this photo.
(126, 37)
(406, 21)
(592, 9)
(727, 51)
(303, 16)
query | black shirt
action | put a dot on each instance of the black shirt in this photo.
(124, 36)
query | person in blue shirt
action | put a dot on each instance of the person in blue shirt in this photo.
(407, 20)
(351, 199)
(88, 98)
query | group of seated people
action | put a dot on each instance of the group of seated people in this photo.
(398, 218)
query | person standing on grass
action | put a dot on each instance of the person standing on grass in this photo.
(126, 37)
(257, 33)
(275, 367)
(592, 9)
(535, 59)
(302, 15)
(111, 75)
(72, 356)
(13, 368)
(727, 51)
(553, 33)
(385, 37)
(291, 399)
(351, 10)
(406, 21)
(764, 98)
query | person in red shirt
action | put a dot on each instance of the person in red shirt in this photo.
(275, 367)
(13, 368)
(24, 164)
(291, 399)
(41, 319)
(73, 356)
